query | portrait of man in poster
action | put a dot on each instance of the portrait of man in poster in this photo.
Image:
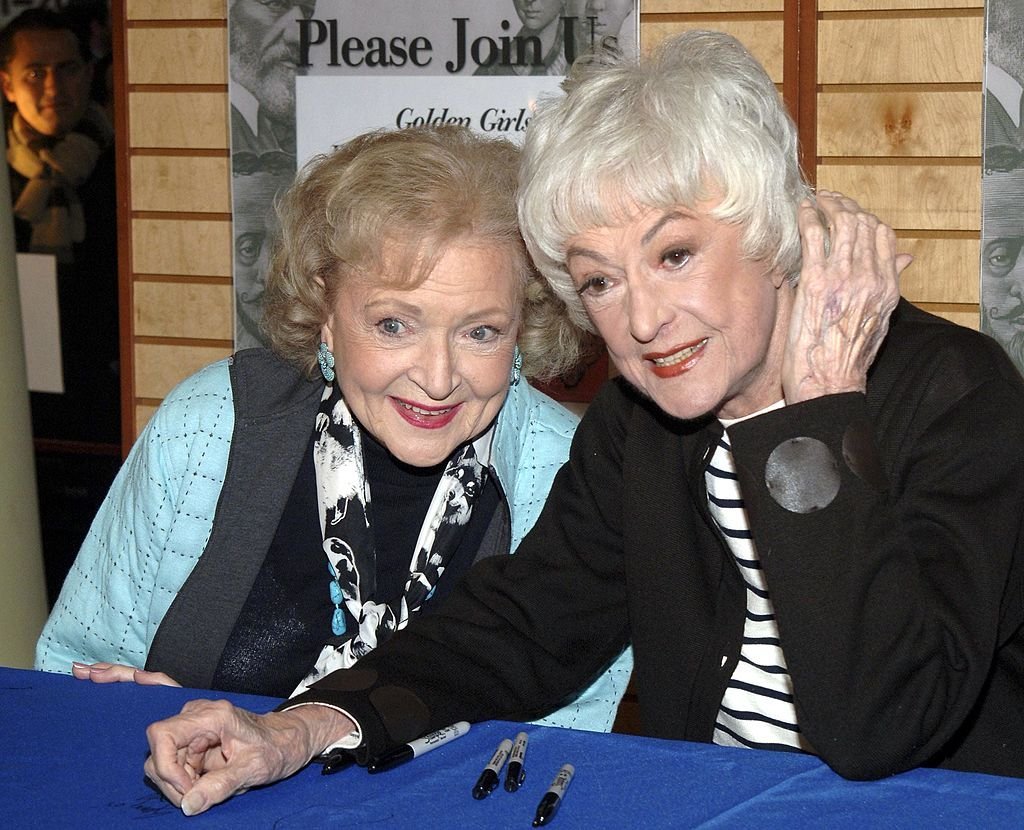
(1002, 233)
(263, 39)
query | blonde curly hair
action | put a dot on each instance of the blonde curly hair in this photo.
(410, 195)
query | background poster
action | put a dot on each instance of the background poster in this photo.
(309, 74)
(1002, 223)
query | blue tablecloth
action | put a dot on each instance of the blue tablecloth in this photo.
(73, 755)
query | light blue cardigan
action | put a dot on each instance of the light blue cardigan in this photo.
(158, 517)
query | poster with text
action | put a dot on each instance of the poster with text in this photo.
(306, 76)
(1002, 223)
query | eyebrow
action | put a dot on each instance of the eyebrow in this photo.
(385, 305)
(652, 232)
(671, 216)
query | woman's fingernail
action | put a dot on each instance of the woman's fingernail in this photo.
(193, 803)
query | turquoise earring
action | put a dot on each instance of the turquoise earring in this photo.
(326, 361)
(517, 368)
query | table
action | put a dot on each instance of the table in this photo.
(74, 752)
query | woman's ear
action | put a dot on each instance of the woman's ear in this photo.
(778, 277)
(326, 335)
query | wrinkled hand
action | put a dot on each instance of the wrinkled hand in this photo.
(213, 750)
(849, 285)
(120, 673)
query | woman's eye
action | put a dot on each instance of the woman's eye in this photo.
(483, 334)
(675, 257)
(594, 286)
(391, 326)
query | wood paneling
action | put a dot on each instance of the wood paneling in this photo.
(912, 196)
(900, 83)
(160, 367)
(944, 270)
(179, 120)
(175, 9)
(762, 37)
(181, 183)
(181, 246)
(167, 55)
(191, 310)
(648, 7)
(143, 412)
(895, 50)
(899, 122)
(888, 5)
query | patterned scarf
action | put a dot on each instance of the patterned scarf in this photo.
(345, 523)
(55, 167)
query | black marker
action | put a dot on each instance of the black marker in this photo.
(488, 779)
(336, 760)
(552, 799)
(516, 774)
(421, 746)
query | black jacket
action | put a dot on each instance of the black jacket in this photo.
(899, 600)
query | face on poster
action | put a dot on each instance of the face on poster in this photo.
(1002, 234)
(307, 75)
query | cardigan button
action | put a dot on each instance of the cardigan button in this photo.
(802, 475)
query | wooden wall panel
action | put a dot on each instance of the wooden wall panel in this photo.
(184, 309)
(945, 269)
(899, 5)
(178, 173)
(900, 122)
(181, 183)
(762, 37)
(143, 412)
(893, 50)
(178, 120)
(175, 9)
(181, 246)
(165, 55)
(160, 366)
(898, 127)
(912, 196)
(651, 7)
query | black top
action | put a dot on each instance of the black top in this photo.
(287, 617)
(900, 601)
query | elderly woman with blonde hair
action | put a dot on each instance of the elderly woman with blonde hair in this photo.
(286, 511)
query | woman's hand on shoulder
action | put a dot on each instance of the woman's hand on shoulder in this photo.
(120, 673)
(849, 286)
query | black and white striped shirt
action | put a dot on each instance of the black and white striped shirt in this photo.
(757, 709)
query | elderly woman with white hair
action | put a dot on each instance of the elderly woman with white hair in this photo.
(792, 503)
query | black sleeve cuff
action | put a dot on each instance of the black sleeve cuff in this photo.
(387, 715)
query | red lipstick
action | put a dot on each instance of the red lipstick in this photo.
(425, 417)
(679, 360)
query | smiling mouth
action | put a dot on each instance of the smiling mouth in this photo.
(426, 413)
(675, 358)
(425, 417)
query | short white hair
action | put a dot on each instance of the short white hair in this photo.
(696, 119)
